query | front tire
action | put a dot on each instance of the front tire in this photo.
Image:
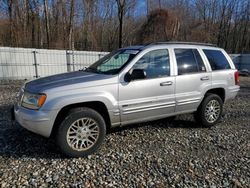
(209, 111)
(81, 133)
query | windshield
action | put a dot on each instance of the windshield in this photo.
(113, 62)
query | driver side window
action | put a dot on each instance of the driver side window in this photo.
(155, 63)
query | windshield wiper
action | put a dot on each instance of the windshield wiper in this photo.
(91, 69)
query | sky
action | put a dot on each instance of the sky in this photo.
(141, 8)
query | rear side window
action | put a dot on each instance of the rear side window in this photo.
(217, 59)
(189, 61)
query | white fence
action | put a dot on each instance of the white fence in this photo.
(27, 63)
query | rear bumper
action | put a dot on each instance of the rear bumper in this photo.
(232, 92)
(39, 122)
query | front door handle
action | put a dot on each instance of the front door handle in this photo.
(169, 83)
(204, 78)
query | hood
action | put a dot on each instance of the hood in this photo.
(61, 80)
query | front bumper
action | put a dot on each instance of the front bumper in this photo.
(37, 121)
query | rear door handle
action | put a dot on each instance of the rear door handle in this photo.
(204, 78)
(166, 83)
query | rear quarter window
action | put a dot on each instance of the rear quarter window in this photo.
(188, 61)
(217, 60)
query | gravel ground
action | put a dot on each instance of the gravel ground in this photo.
(152, 154)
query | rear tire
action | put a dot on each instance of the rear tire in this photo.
(81, 133)
(210, 110)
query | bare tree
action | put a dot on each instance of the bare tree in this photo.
(10, 14)
(46, 14)
(121, 12)
(99, 25)
(161, 25)
(71, 24)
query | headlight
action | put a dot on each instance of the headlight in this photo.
(33, 101)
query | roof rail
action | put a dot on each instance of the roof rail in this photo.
(179, 42)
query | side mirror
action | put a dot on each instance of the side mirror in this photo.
(136, 74)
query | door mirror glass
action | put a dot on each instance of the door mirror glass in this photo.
(136, 74)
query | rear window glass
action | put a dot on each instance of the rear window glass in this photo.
(217, 59)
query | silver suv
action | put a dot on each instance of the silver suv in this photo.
(130, 85)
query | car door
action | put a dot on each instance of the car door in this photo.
(152, 97)
(192, 79)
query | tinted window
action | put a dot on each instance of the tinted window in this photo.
(154, 63)
(217, 59)
(188, 61)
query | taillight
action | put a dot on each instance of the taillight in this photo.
(237, 78)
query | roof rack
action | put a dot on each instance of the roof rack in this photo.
(179, 42)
